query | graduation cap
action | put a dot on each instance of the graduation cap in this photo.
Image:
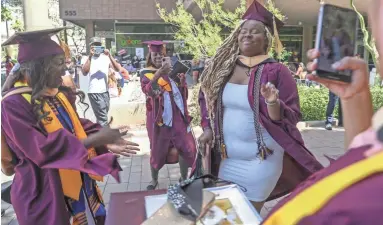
(36, 44)
(258, 12)
(155, 46)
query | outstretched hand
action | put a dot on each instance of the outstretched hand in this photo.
(123, 147)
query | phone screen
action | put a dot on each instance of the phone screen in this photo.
(337, 37)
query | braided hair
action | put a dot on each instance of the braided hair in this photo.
(221, 66)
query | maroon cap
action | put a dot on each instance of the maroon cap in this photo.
(155, 46)
(35, 44)
(258, 12)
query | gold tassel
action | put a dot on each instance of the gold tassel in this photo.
(265, 152)
(65, 48)
(223, 151)
(277, 41)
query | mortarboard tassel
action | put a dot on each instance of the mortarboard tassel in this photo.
(65, 48)
(277, 41)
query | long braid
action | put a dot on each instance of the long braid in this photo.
(219, 68)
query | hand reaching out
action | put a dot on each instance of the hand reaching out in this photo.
(124, 147)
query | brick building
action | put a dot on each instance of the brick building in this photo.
(126, 23)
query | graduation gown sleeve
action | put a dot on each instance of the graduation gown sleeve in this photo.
(288, 97)
(91, 128)
(57, 150)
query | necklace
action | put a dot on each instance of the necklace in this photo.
(241, 64)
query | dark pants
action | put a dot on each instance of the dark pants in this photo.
(332, 100)
(100, 103)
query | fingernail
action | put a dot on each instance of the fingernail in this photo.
(335, 65)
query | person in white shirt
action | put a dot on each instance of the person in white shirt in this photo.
(97, 66)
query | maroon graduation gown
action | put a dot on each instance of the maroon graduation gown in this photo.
(298, 162)
(37, 194)
(362, 203)
(162, 138)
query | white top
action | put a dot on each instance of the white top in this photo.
(242, 165)
(98, 74)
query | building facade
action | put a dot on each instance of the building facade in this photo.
(126, 24)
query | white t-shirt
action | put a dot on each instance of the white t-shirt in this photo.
(98, 74)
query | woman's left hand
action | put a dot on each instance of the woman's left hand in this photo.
(269, 92)
(124, 147)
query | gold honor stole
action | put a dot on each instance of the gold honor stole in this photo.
(70, 179)
(324, 190)
(161, 81)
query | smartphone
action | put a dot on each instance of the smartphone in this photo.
(335, 39)
(166, 60)
(98, 50)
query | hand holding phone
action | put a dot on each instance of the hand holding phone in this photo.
(359, 81)
(166, 66)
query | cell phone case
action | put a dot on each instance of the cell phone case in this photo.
(168, 215)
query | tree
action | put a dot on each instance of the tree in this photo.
(76, 36)
(6, 16)
(202, 38)
(368, 41)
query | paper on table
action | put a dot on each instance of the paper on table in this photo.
(240, 204)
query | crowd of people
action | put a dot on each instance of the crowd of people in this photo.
(57, 156)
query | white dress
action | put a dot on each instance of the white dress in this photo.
(242, 165)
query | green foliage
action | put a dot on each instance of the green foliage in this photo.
(18, 25)
(6, 14)
(270, 5)
(377, 97)
(202, 38)
(314, 101)
(10, 12)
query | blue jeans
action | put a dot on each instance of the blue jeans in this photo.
(122, 82)
(332, 100)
